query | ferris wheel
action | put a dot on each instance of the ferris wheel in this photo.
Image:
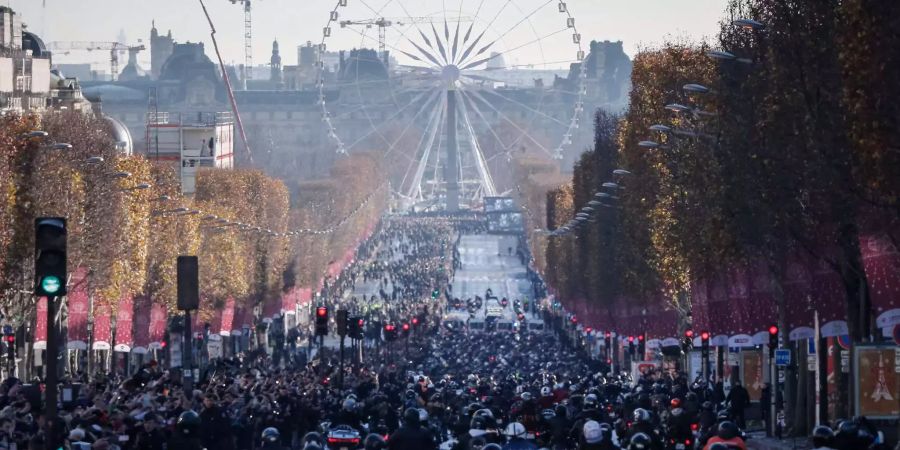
(447, 92)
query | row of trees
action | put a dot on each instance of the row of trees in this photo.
(789, 145)
(128, 221)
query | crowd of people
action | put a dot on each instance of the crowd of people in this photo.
(449, 388)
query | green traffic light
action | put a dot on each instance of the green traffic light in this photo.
(50, 284)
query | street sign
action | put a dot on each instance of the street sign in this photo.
(845, 361)
(782, 357)
(494, 311)
(811, 362)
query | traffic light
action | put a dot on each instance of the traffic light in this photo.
(341, 320)
(687, 344)
(405, 329)
(390, 332)
(704, 343)
(640, 346)
(415, 321)
(608, 342)
(10, 346)
(50, 257)
(435, 294)
(631, 346)
(322, 321)
(773, 340)
(355, 327)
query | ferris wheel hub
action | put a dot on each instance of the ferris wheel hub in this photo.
(450, 74)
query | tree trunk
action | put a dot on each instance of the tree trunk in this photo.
(853, 276)
(800, 426)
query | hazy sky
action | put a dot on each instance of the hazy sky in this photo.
(637, 23)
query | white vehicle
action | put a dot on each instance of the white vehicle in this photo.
(536, 325)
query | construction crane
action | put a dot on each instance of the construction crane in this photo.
(113, 47)
(248, 39)
(383, 23)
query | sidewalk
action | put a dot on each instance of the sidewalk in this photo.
(760, 442)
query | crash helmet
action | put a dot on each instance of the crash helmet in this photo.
(271, 434)
(728, 430)
(188, 422)
(822, 436)
(375, 441)
(640, 441)
(641, 415)
(411, 416)
(515, 430)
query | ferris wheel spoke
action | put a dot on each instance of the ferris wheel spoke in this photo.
(389, 119)
(480, 163)
(484, 120)
(432, 132)
(375, 40)
(511, 122)
(508, 51)
(437, 40)
(516, 66)
(410, 123)
(431, 123)
(427, 54)
(540, 113)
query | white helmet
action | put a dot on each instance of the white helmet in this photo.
(546, 392)
(423, 415)
(526, 396)
(515, 430)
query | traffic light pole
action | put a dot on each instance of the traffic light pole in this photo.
(51, 379)
(186, 355)
(341, 377)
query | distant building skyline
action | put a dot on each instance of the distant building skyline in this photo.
(637, 23)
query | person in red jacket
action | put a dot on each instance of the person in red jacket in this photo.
(728, 434)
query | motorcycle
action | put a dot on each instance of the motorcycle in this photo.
(343, 437)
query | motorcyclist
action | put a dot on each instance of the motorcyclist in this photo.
(348, 415)
(678, 426)
(595, 437)
(728, 434)
(375, 441)
(822, 438)
(312, 441)
(641, 441)
(410, 435)
(516, 435)
(642, 424)
(559, 428)
(271, 439)
(187, 433)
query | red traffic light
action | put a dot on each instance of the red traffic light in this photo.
(361, 323)
(588, 330)
(415, 321)
(405, 327)
(10, 339)
(704, 335)
(630, 338)
(773, 330)
(321, 311)
(640, 337)
(574, 319)
(689, 333)
(388, 327)
(608, 334)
